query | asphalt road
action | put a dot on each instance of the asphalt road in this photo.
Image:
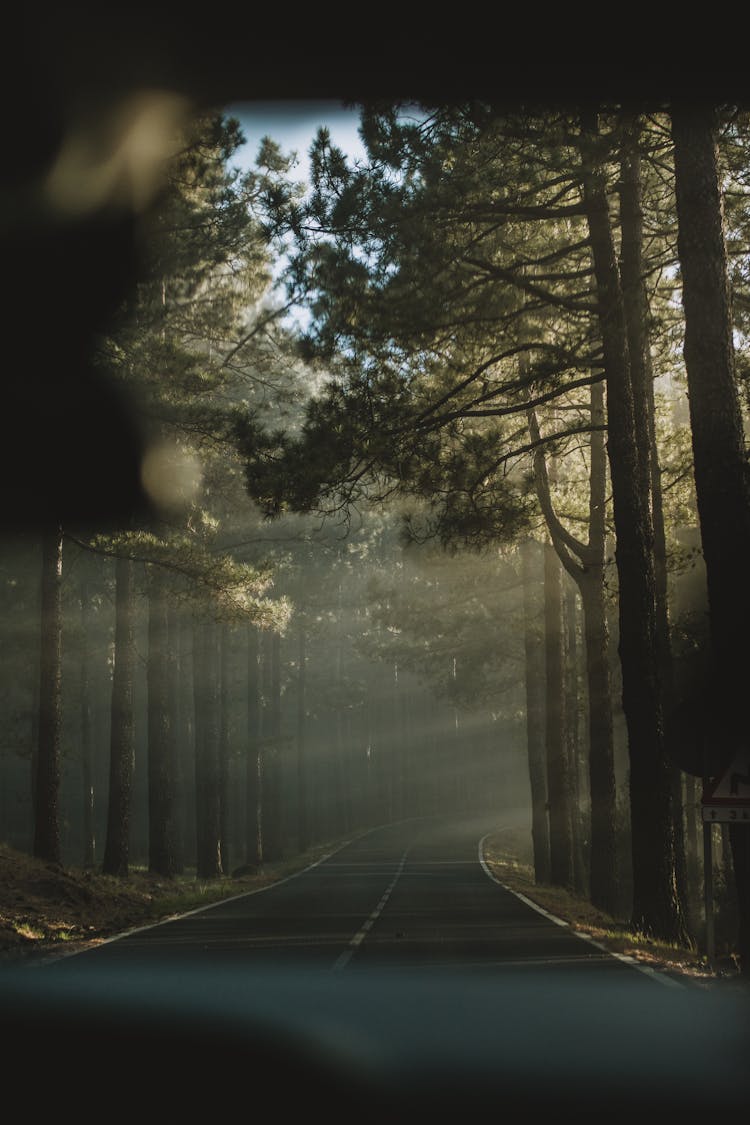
(413, 895)
(395, 980)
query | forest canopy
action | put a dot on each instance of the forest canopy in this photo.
(442, 504)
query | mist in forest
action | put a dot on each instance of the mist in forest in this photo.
(374, 703)
(397, 529)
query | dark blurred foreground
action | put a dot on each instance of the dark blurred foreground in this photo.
(373, 1047)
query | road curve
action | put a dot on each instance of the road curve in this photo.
(413, 895)
(394, 980)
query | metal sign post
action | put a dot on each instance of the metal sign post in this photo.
(726, 800)
(708, 890)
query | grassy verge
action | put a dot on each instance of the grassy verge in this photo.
(506, 856)
(46, 910)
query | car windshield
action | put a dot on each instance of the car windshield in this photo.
(373, 579)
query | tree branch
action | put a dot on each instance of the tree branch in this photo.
(529, 286)
(563, 541)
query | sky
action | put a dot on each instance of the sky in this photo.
(293, 125)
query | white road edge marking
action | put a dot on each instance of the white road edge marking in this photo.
(361, 934)
(668, 982)
(211, 905)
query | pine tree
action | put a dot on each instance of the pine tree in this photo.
(117, 845)
(721, 478)
(192, 340)
(46, 802)
(656, 907)
(453, 292)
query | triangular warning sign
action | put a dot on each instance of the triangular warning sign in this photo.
(733, 787)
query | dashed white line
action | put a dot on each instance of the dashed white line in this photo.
(361, 934)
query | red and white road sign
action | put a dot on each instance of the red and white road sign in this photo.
(726, 799)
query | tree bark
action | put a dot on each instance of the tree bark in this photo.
(303, 831)
(87, 771)
(535, 721)
(558, 782)
(161, 753)
(638, 319)
(573, 738)
(271, 732)
(47, 781)
(692, 815)
(207, 787)
(122, 729)
(180, 743)
(602, 781)
(720, 465)
(224, 746)
(602, 859)
(254, 773)
(656, 908)
(585, 564)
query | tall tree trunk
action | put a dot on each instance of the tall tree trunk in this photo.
(720, 465)
(692, 814)
(535, 721)
(340, 791)
(122, 727)
(603, 851)
(176, 672)
(34, 734)
(186, 743)
(87, 770)
(459, 774)
(254, 773)
(656, 906)
(160, 732)
(47, 790)
(271, 732)
(572, 737)
(224, 746)
(207, 799)
(558, 794)
(638, 319)
(303, 831)
(381, 748)
(585, 564)
(396, 736)
(278, 764)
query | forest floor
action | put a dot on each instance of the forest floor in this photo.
(48, 912)
(688, 966)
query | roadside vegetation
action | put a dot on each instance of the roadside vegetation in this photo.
(48, 912)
